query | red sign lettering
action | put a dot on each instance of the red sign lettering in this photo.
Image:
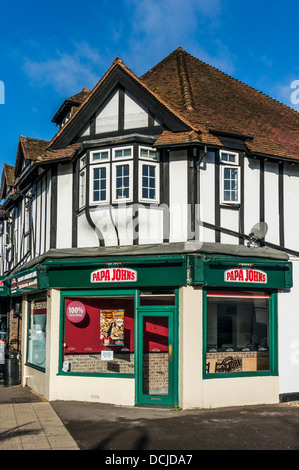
(245, 275)
(114, 275)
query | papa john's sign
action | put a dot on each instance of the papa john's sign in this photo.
(250, 276)
(114, 275)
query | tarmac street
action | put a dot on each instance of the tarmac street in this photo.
(28, 422)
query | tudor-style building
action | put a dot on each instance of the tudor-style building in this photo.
(149, 250)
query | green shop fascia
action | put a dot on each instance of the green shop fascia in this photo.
(231, 285)
(207, 270)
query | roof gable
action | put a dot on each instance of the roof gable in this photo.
(118, 77)
(28, 151)
(7, 179)
(70, 105)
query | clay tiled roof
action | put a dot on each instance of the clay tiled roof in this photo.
(8, 178)
(38, 151)
(80, 97)
(209, 101)
(32, 148)
(172, 138)
(8, 172)
(209, 98)
(67, 152)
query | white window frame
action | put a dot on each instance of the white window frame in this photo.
(82, 188)
(114, 150)
(222, 200)
(157, 181)
(115, 200)
(150, 149)
(91, 184)
(234, 154)
(82, 163)
(26, 217)
(104, 160)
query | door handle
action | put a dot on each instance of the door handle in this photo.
(170, 352)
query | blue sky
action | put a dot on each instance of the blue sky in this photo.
(51, 50)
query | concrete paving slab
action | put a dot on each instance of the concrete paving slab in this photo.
(33, 426)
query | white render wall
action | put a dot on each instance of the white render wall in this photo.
(178, 196)
(288, 335)
(107, 118)
(291, 206)
(252, 197)
(207, 197)
(64, 206)
(272, 202)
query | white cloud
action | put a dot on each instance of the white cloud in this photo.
(67, 73)
(149, 31)
(158, 28)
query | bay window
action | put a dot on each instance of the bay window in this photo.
(111, 174)
(100, 183)
(99, 155)
(122, 181)
(148, 182)
(123, 152)
(148, 153)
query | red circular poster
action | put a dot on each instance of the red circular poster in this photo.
(75, 311)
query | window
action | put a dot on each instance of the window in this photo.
(8, 235)
(99, 155)
(82, 162)
(99, 335)
(148, 182)
(124, 152)
(82, 186)
(26, 218)
(36, 351)
(237, 331)
(122, 182)
(100, 183)
(230, 185)
(148, 153)
(229, 157)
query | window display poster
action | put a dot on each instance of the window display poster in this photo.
(112, 327)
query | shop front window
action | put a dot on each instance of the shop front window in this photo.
(99, 335)
(238, 333)
(36, 353)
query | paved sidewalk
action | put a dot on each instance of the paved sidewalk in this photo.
(33, 426)
(29, 422)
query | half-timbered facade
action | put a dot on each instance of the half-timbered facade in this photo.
(170, 200)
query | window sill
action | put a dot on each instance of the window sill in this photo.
(227, 375)
(33, 366)
(86, 374)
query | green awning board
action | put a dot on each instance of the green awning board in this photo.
(161, 265)
(239, 272)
